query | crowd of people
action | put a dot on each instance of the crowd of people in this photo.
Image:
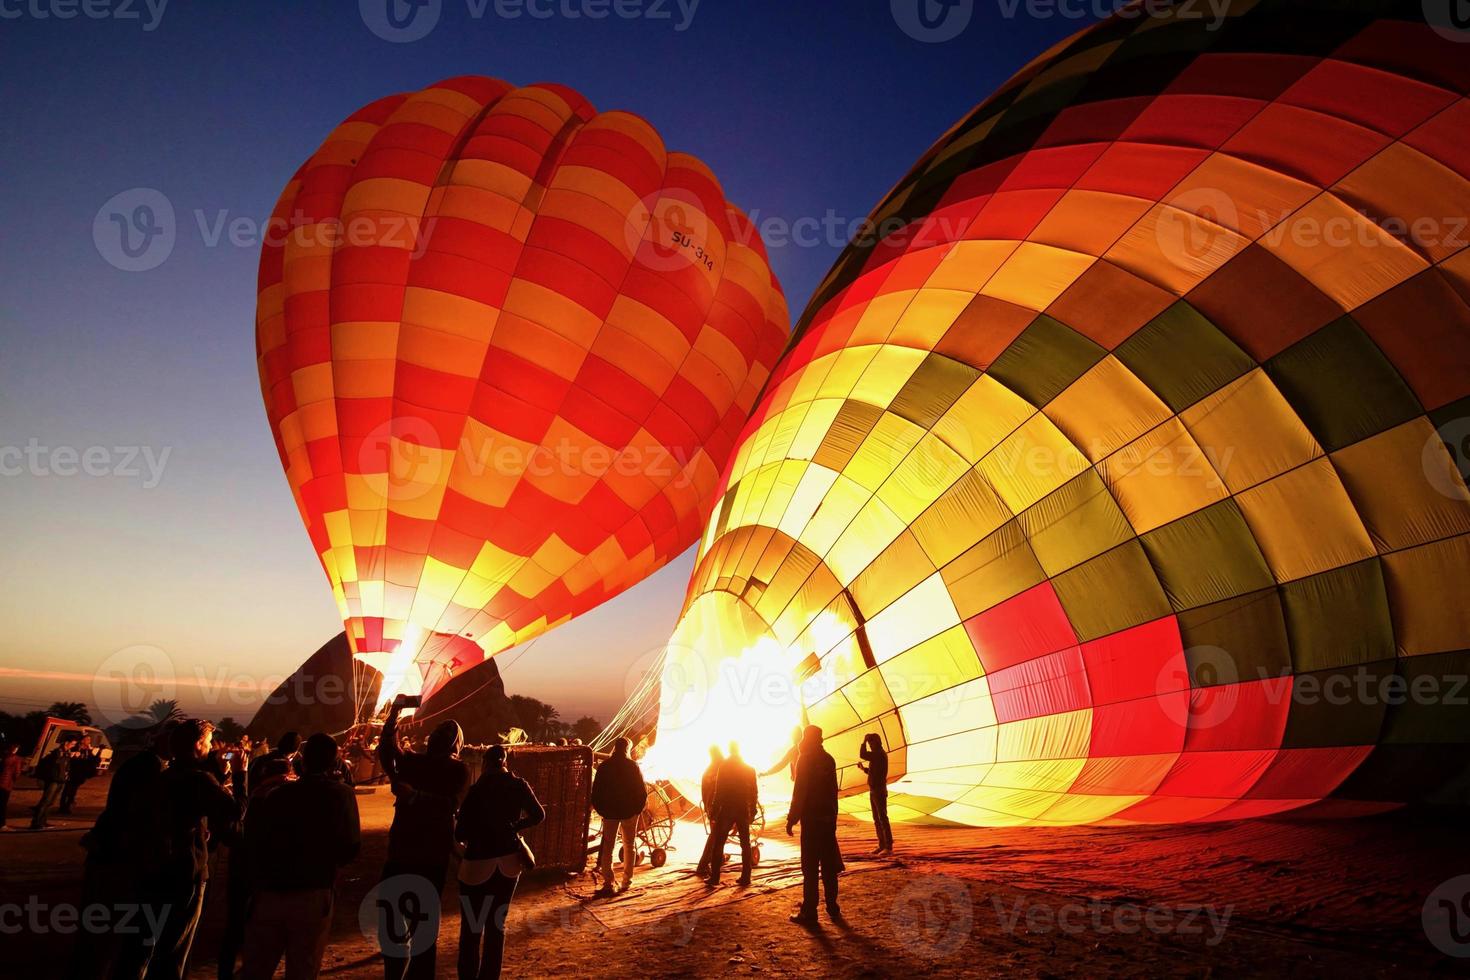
(729, 792)
(288, 818)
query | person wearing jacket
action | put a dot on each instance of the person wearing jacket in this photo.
(814, 807)
(52, 771)
(876, 758)
(427, 787)
(123, 848)
(495, 811)
(618, 796)
(299, 835)
(736, 800)
(707, 785)
(10, 767)
(196, 814)
(85, 762)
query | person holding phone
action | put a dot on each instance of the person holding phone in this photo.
(427, 787)
(497, 809)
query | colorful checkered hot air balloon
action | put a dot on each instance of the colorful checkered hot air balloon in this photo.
(1120, 483)
(506, 343)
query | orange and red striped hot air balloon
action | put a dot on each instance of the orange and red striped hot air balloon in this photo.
(506, 343)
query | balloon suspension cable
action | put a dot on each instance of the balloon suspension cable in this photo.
(635, 710)
(419, 717)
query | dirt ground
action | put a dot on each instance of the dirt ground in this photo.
(1274, 898)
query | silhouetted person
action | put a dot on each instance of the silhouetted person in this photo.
(788, 761)
(240, 770)
(279, 761)
(298, 835)
(618, 796)
(736, 800)
(814, 807)
(427, 787)
(197, 811)
(10, 767)
(83, 766)
(876, 758)
(497, 808)
(707, 784)
(52, 772)
(124, 849)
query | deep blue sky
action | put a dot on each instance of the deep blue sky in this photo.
(801, 108)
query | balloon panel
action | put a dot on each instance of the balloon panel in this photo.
(1125, 482)
(506, 343)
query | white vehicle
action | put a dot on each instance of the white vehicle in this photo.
(57, 730)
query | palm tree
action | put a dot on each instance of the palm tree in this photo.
(546, 718)
(161, 712)
(71, 711)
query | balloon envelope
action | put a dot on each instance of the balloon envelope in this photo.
(505, 343)
(1121, 483)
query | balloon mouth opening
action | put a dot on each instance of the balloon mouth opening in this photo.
(726, 679)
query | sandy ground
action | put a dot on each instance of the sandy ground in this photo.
(1274, 898)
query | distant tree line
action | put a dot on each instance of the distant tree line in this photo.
(25, 729)
(543, 723)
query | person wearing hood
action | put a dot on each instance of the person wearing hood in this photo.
(814, 807)
(427, 787)
(618, 796)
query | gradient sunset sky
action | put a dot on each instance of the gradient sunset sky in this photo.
(183, 543)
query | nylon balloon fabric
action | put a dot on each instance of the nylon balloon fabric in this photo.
(506, 343)
(1124, 481)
